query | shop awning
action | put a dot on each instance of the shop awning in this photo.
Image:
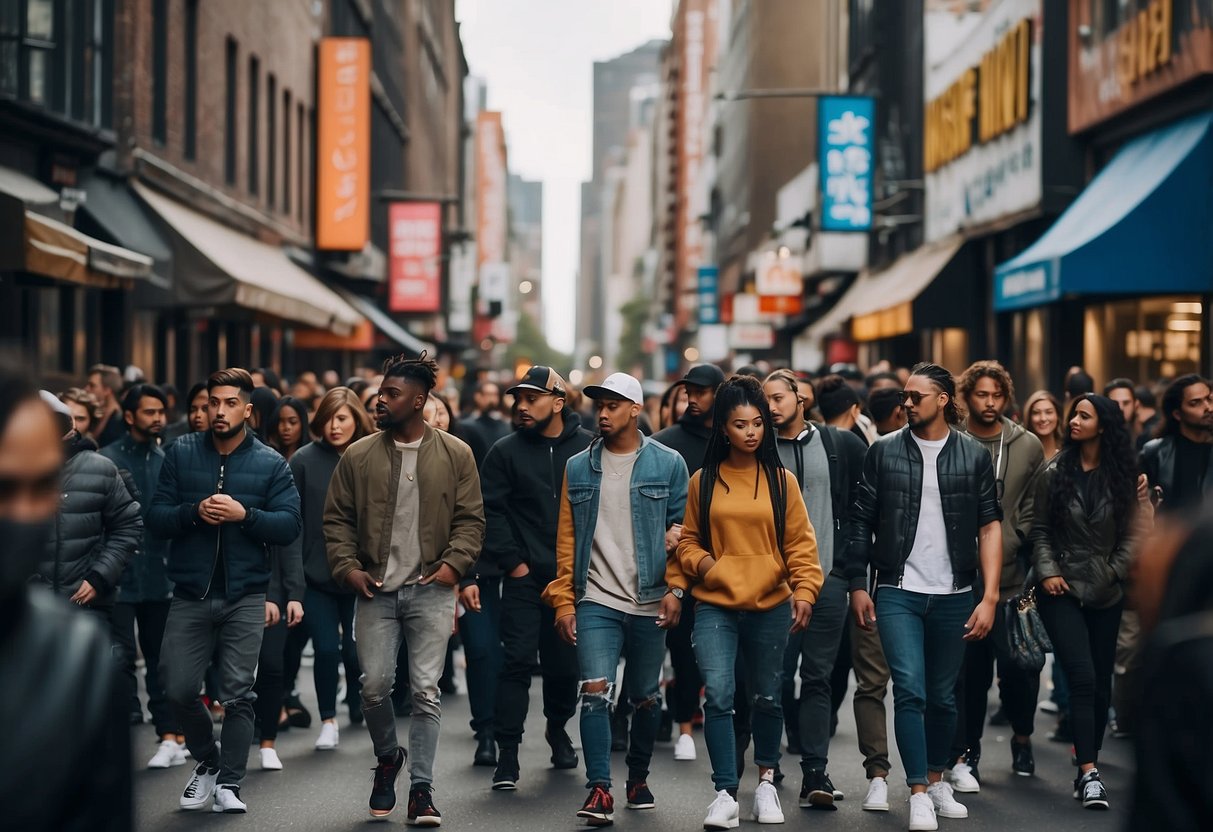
(41, 244)
(217, 265)
(1143, 226)
(384, 323)
(118, 215)
(881, 303)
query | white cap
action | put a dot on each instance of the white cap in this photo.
(617, 386)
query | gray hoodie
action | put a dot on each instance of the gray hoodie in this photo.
(1015, 473)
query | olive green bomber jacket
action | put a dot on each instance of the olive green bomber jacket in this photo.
(361, 503)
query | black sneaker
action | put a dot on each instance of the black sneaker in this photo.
(563, 754)
(505, 778)
(599, 807)
(1023, 762)
(422, 811)
(383, 793)
(486, 752)
(817, 792)
(640, 796)
(1094, 795)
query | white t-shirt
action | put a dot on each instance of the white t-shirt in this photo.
(404, 556)
(929, 568)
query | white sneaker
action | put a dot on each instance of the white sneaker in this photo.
(200, 787)
(877, 799)
(329, 737)
(270, 760)
(684, 748)
(945, 805)
(723, 812)
(168, 754)
(228, 802)
(961, 778)
(922, 813)
(766, 803)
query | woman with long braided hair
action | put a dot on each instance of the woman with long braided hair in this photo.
(749, 557)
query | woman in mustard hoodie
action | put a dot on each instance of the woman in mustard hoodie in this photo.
(749, 558)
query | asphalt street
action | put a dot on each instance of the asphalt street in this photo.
(329, 790)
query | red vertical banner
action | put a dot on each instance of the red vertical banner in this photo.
(415, 248)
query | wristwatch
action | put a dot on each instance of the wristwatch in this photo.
(676, 592)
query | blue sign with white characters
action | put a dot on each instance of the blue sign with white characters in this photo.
(846, 154)
(709, 298)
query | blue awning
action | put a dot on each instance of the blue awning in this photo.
(1143, 226)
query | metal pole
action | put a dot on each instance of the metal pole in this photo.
(787, 92)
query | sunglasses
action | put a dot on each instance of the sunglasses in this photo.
(915, 397)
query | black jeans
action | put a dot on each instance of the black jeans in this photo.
(1084, 642)
(1018, 689)
(270, 686)
(528, 631)
(682, 694)
(149, 617)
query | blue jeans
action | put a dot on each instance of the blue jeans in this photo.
(481, 636)
(760, 638)
(330, 623)
(923, 640)
(603, 635)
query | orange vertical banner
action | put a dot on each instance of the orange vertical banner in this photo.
(343, 144)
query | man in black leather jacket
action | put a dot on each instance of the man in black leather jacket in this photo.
(1179, 463)
(66, 742)
(928, 496)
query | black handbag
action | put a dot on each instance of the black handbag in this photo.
(1026, 632)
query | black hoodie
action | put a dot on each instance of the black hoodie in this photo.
(689, 437)
(521, 481)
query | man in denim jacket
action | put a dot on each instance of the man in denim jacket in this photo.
(621, 496)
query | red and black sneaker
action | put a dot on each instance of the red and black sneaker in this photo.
(383, 793)
(640, 796)
(422, 811)
(599, 807)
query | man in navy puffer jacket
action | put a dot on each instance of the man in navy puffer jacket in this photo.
(223, 499)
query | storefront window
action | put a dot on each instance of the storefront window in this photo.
(1145, 339)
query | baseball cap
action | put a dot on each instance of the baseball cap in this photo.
(616, 386)
(543, 379)
(705, 375)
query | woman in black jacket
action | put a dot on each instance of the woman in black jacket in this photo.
(340, 421)
(1086, 507)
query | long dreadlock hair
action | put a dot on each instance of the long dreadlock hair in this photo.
(1117, 471)
(740, 391)
(422, 370)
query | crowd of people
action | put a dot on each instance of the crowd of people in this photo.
(770, 531)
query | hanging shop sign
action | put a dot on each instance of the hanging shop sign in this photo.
(845, 146)
(343, 144)
(982, 125)
(709, 295)
(414, 255)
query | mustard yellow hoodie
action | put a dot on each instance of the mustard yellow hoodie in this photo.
(750, 572)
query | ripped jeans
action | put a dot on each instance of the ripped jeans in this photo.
(759, 637)
(604, 636)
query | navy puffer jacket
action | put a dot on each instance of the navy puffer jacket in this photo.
(257, 477)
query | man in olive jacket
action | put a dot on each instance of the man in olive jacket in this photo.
(403, 522)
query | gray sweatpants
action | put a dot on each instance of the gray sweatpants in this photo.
(423, 616)
(191, 635)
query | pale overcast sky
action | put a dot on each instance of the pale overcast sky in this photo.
(537, 58)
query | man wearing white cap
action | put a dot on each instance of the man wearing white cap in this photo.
(621, 495)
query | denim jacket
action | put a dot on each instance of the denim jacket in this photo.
(659, 495)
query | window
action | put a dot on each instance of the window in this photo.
(159, 70)
(191, 79)
(229, 127)
(271, 140)
(300, 125)
(254, 125)
(39, 47)
(286, 152)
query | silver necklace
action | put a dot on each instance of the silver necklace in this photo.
(618, 470)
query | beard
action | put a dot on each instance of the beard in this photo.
(538, 426)
(229, 432)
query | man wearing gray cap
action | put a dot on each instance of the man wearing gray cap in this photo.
(521, 480)
(620, 497)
